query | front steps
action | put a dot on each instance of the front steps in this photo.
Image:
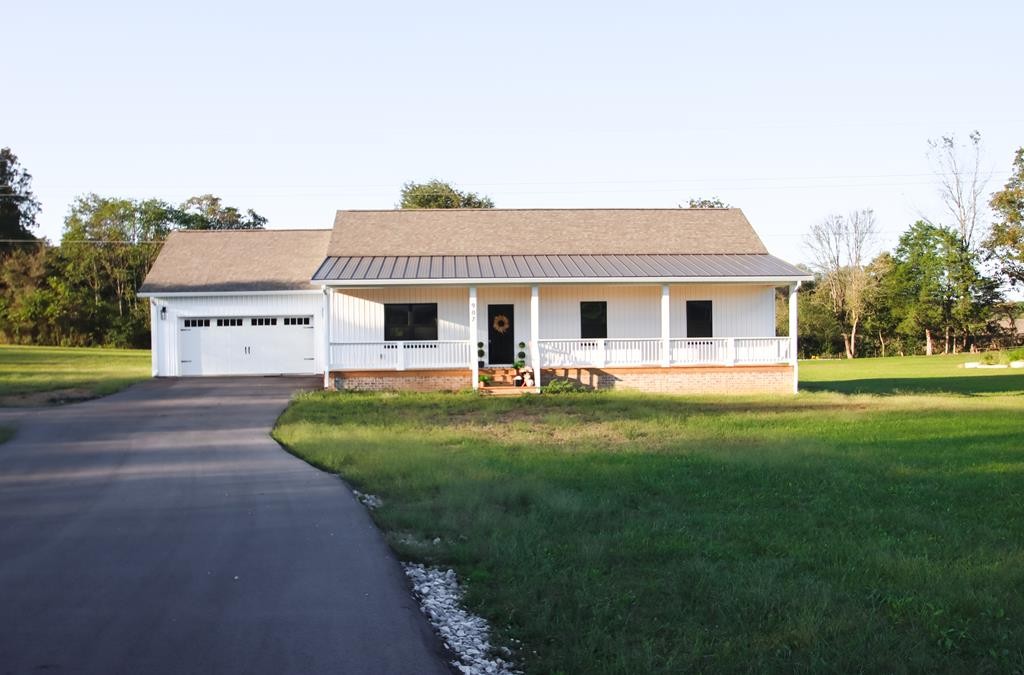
(503, 383)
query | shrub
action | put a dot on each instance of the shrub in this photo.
(990, 358)
(565, 387)
(1016, 354)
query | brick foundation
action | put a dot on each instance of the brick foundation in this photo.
(404, 380)
(682, 380)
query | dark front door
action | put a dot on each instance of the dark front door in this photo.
(501, 345)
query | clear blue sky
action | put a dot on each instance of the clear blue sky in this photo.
(295, 109)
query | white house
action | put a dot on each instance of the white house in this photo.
(674, 300)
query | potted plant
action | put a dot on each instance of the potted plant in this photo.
(485, 379)
(480, 354)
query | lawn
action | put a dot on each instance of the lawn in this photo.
(912, 374)
(75, 372)
(614, 533)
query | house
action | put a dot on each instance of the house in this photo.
(670, 300)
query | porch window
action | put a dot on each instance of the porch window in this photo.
(409, 321)
(698, 319)
(594, 320)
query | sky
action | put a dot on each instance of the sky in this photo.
(791, 111)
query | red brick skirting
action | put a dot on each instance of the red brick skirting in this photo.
(676, 380)
(682, 380)
(402, 380)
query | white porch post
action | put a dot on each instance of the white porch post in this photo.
(793, 332)
(473, 338)
(326, 331)
(666, 327)
(535, 334)
(154, 342)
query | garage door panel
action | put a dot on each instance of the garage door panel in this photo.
(247, 346)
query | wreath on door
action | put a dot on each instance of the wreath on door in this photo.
(501, 323)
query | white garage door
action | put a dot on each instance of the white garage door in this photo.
(250, 345)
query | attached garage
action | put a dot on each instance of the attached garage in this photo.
(237, 303)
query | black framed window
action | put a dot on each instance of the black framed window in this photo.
(594, 319)
(698, 319)
(408, 321)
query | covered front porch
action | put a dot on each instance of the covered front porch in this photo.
(543, 329)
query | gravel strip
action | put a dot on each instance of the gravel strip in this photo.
(465, 634)
(368, 500)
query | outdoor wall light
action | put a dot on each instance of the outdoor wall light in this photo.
(163, 312)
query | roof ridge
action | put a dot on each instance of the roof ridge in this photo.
(265, 229)
(499, 255)
(547, 208)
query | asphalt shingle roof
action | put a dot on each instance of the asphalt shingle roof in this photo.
(217, 261)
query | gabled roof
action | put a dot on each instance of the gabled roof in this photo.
(430, 232)
(218, 261)
(556, 245)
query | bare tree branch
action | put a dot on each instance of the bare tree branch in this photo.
(962, 183)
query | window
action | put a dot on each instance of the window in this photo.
(264, 321)
(229, 322)
(296, 321)
(410, 321)
(594, 319)
(197, 323)
(698, 319)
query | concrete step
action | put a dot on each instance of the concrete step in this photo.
(507, 390)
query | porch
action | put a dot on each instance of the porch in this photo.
(544, 329)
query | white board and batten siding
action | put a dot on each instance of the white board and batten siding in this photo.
(246, 349)
(634, 311)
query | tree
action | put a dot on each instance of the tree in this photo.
(881, 301)
(1005, 244)
(918, 279)
(961, 182)
(704, 203)
(18, 206)
(839, 245)
(436, 194)
(205, 212)
(106, 250)
(938, 287)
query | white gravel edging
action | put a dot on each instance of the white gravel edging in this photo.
(368, 500)
(465, 634)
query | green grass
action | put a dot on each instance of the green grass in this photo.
(25, 370)
(911, 375)
(632, 534)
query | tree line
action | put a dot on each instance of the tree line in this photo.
(939, 289)
(82, 290)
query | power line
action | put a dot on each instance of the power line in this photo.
(645, 181)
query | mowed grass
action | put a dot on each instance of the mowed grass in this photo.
(25, 370)
(911, 374)
(649, 534)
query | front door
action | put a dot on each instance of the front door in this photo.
(501, 345)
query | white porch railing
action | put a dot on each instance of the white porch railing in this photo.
(648, 352)
(763, 350)
(400, 355)
(599, 353)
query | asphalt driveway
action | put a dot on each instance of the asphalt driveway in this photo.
(161, 530)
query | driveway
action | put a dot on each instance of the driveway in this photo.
(161, 530)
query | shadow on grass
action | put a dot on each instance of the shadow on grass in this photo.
(967, 385)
